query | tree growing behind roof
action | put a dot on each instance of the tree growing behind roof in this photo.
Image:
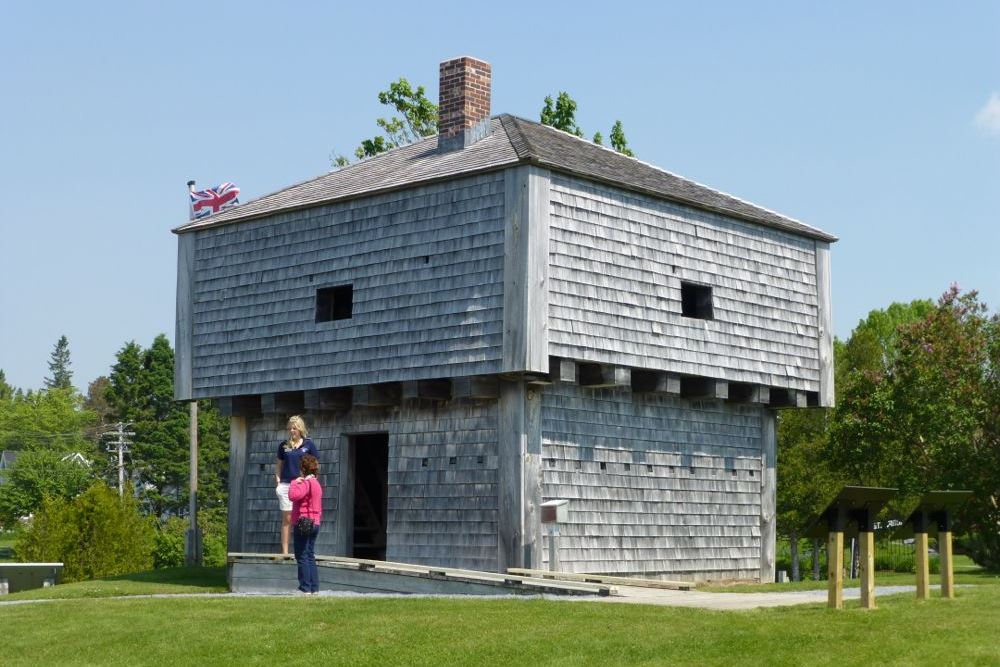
(417, 117)
(59, 363)
(561, 114)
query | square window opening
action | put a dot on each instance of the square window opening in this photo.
(696, 301)
(334, 303)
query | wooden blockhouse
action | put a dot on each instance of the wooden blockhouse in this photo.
(503, 315)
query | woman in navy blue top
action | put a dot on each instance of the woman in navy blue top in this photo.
(287, 468)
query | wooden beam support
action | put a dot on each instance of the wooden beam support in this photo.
(382, 395)
(922, 565)
(742, 392)
(947, 564)
(476, 387)
(704, 388)
(282, 403)
(602, 376)
(656, 382)
(788, 398)
(328, 400)
(239, 406)
(867, 542)
(428, 390)
(563, 370)
(835, 570)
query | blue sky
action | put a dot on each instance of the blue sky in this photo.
(877, 122)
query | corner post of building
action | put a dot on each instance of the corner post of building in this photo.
(825, 321)
(866, 539)
(525, 350)
(768, 495)
(237, 474)
(183, 381)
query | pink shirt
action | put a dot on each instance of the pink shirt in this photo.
(307, 499)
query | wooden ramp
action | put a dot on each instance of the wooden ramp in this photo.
(602, 579)
(273, 573)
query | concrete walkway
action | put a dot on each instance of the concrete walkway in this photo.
(736, 601)
(627, 595)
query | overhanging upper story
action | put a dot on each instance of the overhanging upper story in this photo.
(501, 255)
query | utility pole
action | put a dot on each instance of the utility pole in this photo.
(192, 556)
(121, 446)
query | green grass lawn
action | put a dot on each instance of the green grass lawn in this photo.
(416, 631)
(80, 628)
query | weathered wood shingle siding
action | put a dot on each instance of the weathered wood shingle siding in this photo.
(617, 260)
(442, 495)
(426, 265)
(680, 491)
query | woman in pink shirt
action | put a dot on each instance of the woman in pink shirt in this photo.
(307, 501)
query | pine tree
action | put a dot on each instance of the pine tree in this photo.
(141, 391)
(62, 376)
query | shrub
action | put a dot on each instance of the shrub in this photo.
(984, 550)
(168, 548)
(97, 534)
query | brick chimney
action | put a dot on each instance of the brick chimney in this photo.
(463, 102)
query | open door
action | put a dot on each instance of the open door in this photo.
(371, 494)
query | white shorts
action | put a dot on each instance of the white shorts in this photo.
(282, 492)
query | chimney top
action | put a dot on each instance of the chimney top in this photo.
(463, 102)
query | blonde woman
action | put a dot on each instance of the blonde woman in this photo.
(287, 468)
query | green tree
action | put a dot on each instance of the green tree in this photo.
(37, 474)
(97, 400)
(417, 118)
(53, 418)
(863, 424)
(62, 376)
(923, 415)
(561, 113)
(805, 483)
(618, 141)
(6, 391)
(97, 534)
(141, 392)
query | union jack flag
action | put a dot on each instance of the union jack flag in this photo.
(206, 202)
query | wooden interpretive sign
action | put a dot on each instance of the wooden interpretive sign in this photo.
(933, 514)
(853, 513)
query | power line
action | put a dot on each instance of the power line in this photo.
(120, 445)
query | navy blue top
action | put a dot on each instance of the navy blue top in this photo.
(292, 457)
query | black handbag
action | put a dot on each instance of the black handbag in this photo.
(304, 526)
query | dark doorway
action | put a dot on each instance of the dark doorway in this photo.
(371, 494)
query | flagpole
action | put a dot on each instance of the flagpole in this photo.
(192, 556)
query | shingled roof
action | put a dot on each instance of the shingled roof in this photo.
(512, 141)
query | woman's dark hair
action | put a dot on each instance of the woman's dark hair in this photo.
(309, 465)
